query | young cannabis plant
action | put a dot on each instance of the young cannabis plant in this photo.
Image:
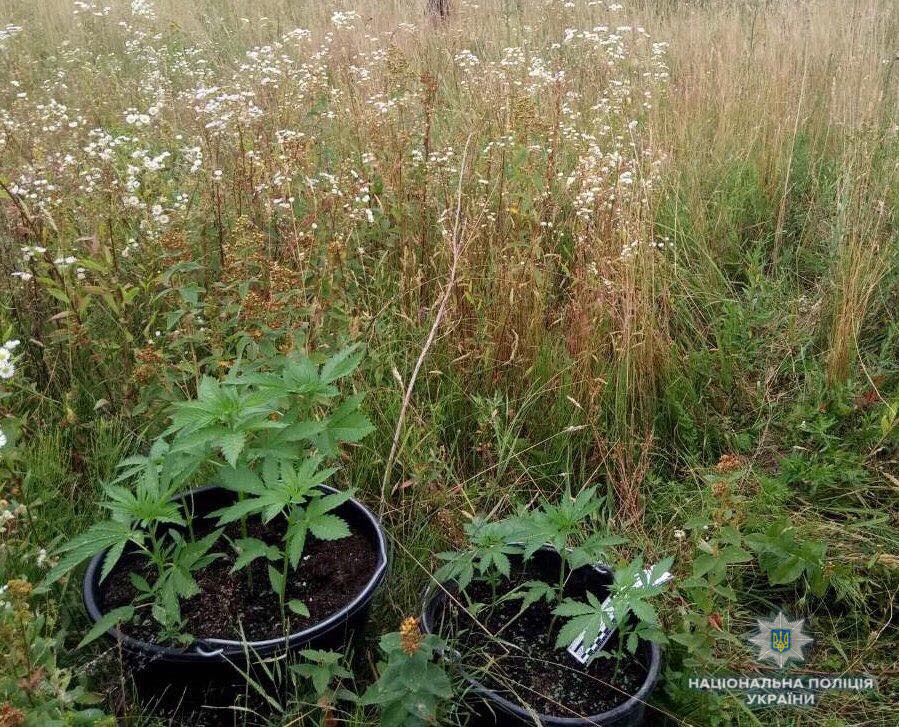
(563, 527)
(250, 415)
(265, 432)
(178, 561)
(560, 526)
(327, 672)
(145, 518)
(627, 610)
(488, 551)
(292, 491)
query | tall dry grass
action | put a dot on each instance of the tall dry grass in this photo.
(768, 148)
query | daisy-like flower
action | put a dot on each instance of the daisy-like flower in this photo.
(7, 366)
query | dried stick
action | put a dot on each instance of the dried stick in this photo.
(456, 249)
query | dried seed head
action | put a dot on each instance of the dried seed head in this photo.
(728, 463)
(11, 716)
(410, 635)
(19, 589)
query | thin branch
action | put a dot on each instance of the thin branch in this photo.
(456, 249)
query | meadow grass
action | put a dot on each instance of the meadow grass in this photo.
(677, 241)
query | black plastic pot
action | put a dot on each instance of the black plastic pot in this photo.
(491, 708)
(209, 658)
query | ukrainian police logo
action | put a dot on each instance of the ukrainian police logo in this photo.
(780, 640)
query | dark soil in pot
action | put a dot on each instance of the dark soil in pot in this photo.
(203, 684)
(330, 575)
(523, 664)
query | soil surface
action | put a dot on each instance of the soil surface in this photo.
(330, 575)
(524, 665)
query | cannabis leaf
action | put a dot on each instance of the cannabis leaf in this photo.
(106, 622)
(322, 668)
(588, 619)
(490, 545)
(559, 525)
(109, 534)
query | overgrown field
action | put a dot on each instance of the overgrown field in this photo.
(649, 247)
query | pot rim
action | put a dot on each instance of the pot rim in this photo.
(635, 701)
(232, 647)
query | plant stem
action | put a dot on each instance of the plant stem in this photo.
(283, 593)
(244, 535)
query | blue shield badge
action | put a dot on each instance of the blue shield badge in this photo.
(781, 640)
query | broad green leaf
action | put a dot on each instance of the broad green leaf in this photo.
(644, 611)
(99, 537)
(326, 503)
(248, 549)
(295, 539)
(238, 510)
(568, 633)
(329, 527)
(341, 364)
(305, 430)
(139, 582)
(241, 479)
(106, 622)
(112, 557)
(298, 607)
(733, 554)
(232, 445)
(346, 424)
(276, 578)
(703, 563)
(570, 607)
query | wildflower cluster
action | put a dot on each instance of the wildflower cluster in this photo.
(197, 144)
(7, 364)
(34, 689)
(412, 686)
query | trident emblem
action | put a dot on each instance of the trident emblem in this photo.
(780, 640)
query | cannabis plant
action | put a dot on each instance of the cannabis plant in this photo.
(629, 596)
(290, 491)
(572, 528)
(262, 431)
(144, 517)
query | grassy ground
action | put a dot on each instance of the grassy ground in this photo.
(662, 233)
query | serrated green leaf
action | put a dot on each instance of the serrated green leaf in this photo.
(644, 611)
(570, 607)
(241, 479)
(329, 527)
(305, 430)
(568, 633)
(99, 537)
(340, 364)
(249, 549)
(232, 445)
(106, 622)
(277, 580)
(238, 510)
(346, 424)
(295, 539)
